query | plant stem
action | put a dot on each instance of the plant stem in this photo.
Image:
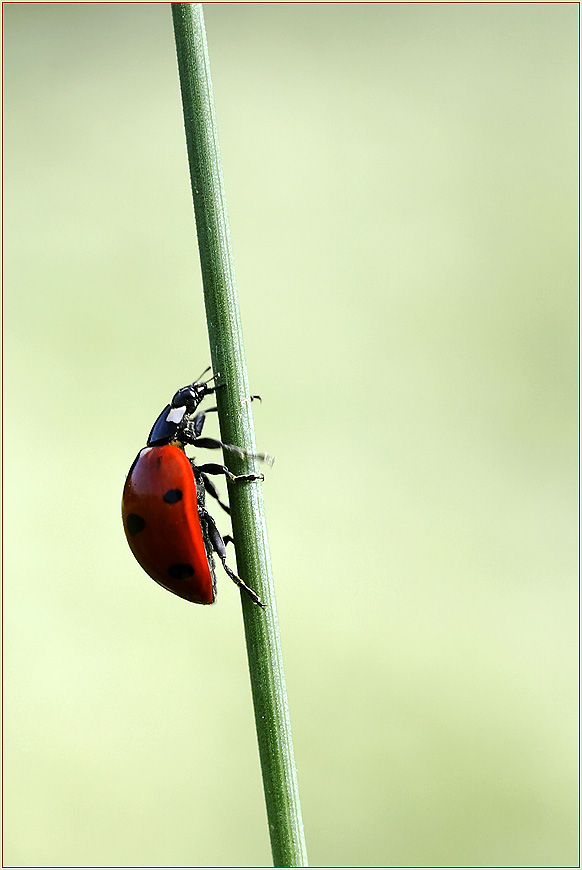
(236, 426)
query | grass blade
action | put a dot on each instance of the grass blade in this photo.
(236, 425)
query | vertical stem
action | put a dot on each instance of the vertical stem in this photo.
(236, 426)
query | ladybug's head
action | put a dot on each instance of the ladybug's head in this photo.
(191, 396)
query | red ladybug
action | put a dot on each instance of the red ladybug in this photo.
(169, 530)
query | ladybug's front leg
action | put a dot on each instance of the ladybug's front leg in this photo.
(219, 548)
(215, 444)
(193, 429)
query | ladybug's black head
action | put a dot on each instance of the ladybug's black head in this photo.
(191, 396)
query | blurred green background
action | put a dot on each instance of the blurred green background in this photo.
(402, 187)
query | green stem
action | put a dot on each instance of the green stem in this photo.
(236, 426)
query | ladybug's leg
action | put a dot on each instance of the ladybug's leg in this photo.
(214, 468)
(193, 429)
(214, 444)
(219, 548)
(211, 490)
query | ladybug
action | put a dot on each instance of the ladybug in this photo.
(167, 526)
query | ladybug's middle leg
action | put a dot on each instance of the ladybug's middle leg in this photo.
(219, 548)
(215, 468)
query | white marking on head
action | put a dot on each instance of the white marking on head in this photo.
(175, 415)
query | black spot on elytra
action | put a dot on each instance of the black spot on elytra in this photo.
(134, 524)
(180, 572)
(172, 496)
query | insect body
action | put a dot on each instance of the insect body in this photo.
(169, 530)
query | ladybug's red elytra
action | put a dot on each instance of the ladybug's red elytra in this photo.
(167, 526)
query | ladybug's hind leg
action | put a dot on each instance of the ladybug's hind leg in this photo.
(219, 548)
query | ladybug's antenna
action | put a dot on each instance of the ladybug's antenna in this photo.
(198, 379)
